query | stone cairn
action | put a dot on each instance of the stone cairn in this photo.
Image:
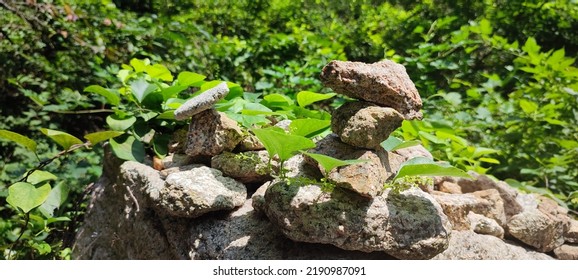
(214, 166)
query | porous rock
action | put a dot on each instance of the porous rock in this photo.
(250, 142)
(363, 124)
(571, 234)
(211, 133)
(566, 252)
(205, 100)
(449, 187)
(409, 225)
(176, 160)
(116, 228)
(413, 152)
(246, 167)
(458, 206)
(198, 191)
(484, 225)
(385, 83)
(537, 229)
(483, 182)
(367, 178)
(467, 245)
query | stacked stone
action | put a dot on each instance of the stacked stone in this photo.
(210, 132)
(385, 97)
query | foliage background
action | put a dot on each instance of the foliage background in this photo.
(498, 78)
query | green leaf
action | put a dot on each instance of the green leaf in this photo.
(277, 142)
(489, 160)
(128, 148)
(39, 176)
(172, 91)
(63, 139)
(159, 71)
(422, 166)
(167, 115)
(97, 137)
(55, 199)
(19, 139)
(305, 98)
(431, 137)
(139, 65)
(26, 196)
(161, 145)
(141, 88)
(328, 163)
(308, 127)
(120, 124)
(278, 100)
(111, 97)
(528, 106)
(189, 78)
(531, 47)
(393, 143)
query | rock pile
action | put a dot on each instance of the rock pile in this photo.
(202, 210)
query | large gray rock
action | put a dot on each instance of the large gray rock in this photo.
(366, 179)
(537, 229)
(467, 245)
(385, 83)
(211, 133)
(205, 100)
(363, 124)
(199, 191)
(410, 225)
(246, 167)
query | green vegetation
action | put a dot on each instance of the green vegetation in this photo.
(498, 79)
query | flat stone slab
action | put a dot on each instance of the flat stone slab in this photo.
(201, 102)
(385, 83)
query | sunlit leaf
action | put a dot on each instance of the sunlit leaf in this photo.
(100, 136)
(421, 166)
(308, 127)
(19, 139)
(277, 142)
(128, 148)
(26, 196)
(63, 139)
(111, 97)
(328, 163)
(39, 176)
(305, 98)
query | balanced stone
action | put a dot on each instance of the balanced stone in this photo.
(201, 102)
(385, 83)
(363, 124)
(211, 133)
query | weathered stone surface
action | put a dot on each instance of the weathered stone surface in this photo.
(258, 198)
(449, 187)
(537, 229)
(385, 83)
(198, 191)
(211, 133)
(467, 245)
(201, 102)
(458, 206)
(566, 252)
(483, 182)
(176, 160)
(122, 222)
(284, 124)
(363, 124)
(250, 143)
(571, 234)
(484, 225)
(496, 210)
(410, 225)
(366, 179)
(413, 152)
(246, 167)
